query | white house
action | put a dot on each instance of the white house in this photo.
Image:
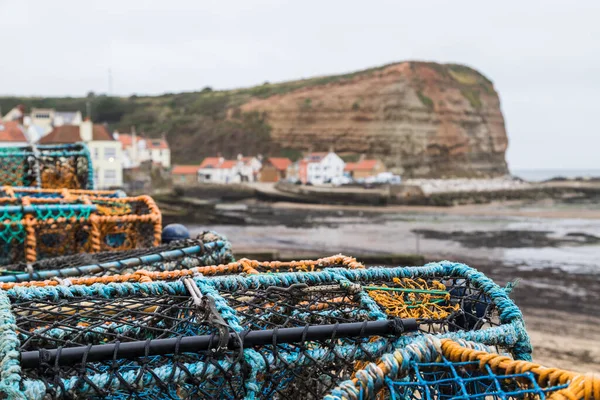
(67, 118)
(249, 168)
(41, 120)
(318, 168)
(218, 170)
(15, 114)
(43, 117)
(137, 149)
(159, 151)
(105, 151)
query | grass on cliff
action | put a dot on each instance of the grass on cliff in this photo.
(473, 97)
(427, 102)
(202, 123)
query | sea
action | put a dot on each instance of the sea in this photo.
(539, 175)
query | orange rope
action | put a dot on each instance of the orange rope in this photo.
(242, 266)
(30, 240)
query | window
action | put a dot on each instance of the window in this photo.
(110, 176)
(110, 153)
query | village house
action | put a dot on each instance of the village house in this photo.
(105, 151)
(319, 168)
(185, 175)
(249, 168)
(159, 151)
(15, 114)
(274, 169)
(220, 170)
(137, 149)
(217, 170)
(364, 168)
(40, 121)
(67, 118)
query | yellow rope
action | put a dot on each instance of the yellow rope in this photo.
(114, 208)
(429, 300)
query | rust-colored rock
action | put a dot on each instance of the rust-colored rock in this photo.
(421, 119)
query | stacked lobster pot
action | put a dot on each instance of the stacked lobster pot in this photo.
(42, 223)
(246, 331)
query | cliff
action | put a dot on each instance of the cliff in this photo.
(421, 119)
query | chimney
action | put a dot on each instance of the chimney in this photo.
(85, 130)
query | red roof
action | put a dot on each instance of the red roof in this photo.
(280, 163)
(10, 131)
(157, 144)
(210, 162)
(185, 169)
(70, 134)
(364, 165)
(227, 164)
(125, 139)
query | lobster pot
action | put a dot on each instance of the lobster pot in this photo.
(37, 228)
(209, 255)
(439, 369)
(273, 335)
(207, 249)
(49, 166)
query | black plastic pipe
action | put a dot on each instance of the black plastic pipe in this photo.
(194, 344)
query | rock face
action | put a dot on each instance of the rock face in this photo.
(420, 119)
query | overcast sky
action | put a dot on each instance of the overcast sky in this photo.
(543, 56)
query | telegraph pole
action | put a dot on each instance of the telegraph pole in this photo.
(110, 83)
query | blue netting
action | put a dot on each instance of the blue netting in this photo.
(433, 369)
(463, 380)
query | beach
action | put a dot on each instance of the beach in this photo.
(550, 249)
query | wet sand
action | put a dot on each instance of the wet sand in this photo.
(515, 208)
(564, 340)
